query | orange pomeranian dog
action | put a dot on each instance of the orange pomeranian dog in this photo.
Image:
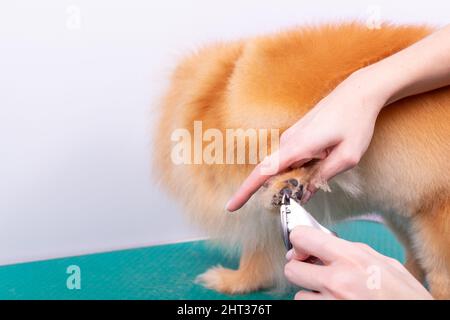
(268, 83)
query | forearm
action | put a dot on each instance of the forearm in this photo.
(422, 67)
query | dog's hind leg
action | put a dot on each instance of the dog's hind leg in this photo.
(401, 228)
(432, 239)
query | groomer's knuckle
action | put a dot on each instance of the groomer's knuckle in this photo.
(289, 270)
(363, 246)
(356, 259)
(291, 155)
(394, 262)
(263, 163)
(350, 158)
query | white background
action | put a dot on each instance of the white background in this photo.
(76, 109)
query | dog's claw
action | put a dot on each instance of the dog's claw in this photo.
(291, 188)
(286, 191)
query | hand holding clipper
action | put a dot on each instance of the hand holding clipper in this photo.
(293, 215)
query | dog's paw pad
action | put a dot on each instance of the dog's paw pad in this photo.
(291, 188)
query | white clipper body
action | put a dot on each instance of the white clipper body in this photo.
(293, 215)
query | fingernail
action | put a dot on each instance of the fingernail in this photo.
(289, 254)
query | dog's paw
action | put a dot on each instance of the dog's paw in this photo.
(227, 281)
(292, 184)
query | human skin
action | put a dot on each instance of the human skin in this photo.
(271, 81)
(349, 270)
(342, 123)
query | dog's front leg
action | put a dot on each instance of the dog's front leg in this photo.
(255, 272)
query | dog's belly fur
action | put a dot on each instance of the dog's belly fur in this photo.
(270, 82)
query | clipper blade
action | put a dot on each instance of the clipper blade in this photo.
(292, 215)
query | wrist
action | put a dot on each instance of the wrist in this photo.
(386, 80)
(374, 91)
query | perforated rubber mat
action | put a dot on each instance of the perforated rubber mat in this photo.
(159, 272)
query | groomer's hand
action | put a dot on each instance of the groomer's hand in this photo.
(349, 271)
(339, 128)
(337, 131)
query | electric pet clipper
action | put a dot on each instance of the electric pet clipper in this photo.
(292, 215)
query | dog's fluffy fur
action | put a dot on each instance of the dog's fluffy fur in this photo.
(270, 82)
